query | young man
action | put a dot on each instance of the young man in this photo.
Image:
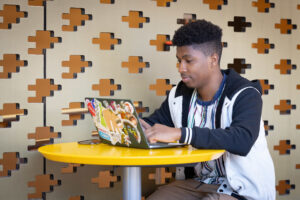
(213, 109)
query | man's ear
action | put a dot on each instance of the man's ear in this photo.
(214, 59)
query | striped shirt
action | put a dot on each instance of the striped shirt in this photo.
(204, 113)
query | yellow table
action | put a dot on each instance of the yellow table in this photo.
(130, 158)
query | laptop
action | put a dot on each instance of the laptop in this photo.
(118, 124)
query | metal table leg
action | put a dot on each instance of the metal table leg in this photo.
(132, 185)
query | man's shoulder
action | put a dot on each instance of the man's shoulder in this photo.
(235, 83)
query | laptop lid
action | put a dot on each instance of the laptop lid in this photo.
(118, 124)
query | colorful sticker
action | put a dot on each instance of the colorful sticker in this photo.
(116, 121)
(90, 107)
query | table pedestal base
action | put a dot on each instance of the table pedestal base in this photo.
(132, 184)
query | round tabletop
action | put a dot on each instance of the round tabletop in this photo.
(103, 154)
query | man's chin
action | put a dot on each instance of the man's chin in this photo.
(189, 85)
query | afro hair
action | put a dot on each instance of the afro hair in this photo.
(202, 33)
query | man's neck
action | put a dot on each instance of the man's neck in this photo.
(208, 92)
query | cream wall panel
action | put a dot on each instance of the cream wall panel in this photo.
(107, 64)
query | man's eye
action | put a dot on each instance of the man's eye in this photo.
(188, 61)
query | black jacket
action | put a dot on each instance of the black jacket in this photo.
(244, 129)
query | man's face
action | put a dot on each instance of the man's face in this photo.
(194, 66)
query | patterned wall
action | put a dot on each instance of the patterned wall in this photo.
(54, 53)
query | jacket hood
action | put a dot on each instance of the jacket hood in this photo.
(235, 82)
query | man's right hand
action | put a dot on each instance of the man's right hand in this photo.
(160, 133)
(144, 124)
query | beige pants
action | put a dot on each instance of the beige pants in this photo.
(188, 190)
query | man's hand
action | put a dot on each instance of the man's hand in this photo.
(144, 124)
(161, 133)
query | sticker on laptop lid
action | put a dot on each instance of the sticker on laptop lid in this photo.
(90, 107)
(115, 121)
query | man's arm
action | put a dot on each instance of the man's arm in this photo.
(158, 126)
(242, 133)
(161, 115)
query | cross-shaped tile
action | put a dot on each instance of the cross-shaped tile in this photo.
(73, 117)
(106, 41)
(37, 2)
(263, 45)
(106, 87)
(160, 42)
(285, 66)
(71, 168)
(286, 26)
(284, 147)
(164, 3)
(43, 88)
(266, 86)
(285, 107)
(76, 64)
(42, 184)
(11, 63)
(135, 19)
(77, 17)
(187, 18)
(76, 198)
(268, 127)
(10, 112)
(215, 4)
(239, 24)
(10, 161)
(10, 14)
(239, 65)
(106, 179)
(107, 1)
(44, 40)
(139, 108)
(160, 175)
(135, 64)
(162, 87)
(284, 187)
(263, 6)
(42, 136)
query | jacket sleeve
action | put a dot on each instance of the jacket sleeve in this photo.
(240, 136)
(161, 115)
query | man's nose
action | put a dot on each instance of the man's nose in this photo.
(181, 67)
